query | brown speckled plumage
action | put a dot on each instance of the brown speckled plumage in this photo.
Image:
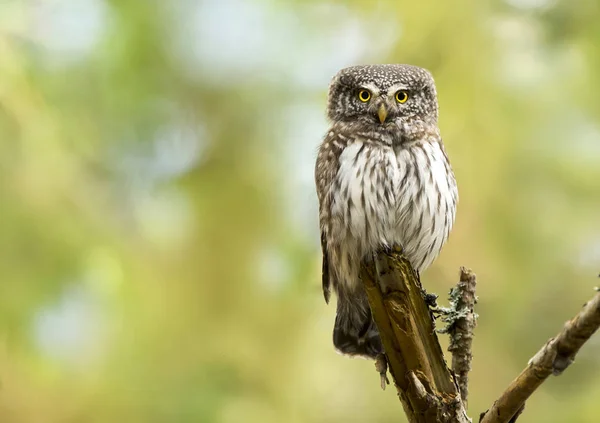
(379, 183)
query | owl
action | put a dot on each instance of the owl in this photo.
(383, 179)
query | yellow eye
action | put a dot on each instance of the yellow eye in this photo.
(364, 95)
(401, 96)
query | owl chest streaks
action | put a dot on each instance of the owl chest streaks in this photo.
(383, 179)
(381, 194)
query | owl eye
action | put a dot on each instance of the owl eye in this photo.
(364, 95)
(401, 96)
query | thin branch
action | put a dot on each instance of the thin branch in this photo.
(554, 357)
(460, 321)
(425, 385)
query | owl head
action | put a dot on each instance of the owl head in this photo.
(381, 96)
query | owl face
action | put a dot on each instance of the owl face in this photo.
(382, 96)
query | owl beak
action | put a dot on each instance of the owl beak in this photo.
(382, 113)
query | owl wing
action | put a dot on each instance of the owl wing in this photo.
(326, 169)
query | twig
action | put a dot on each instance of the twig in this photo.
(425, 385)
(554, 357)
(461, 320)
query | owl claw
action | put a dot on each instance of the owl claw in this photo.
(381, 366)
(430, 299)
(386, 249)
(392, 250)
(384, 381)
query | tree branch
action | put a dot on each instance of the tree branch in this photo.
(427, 389)
(425, 385)
(461, 320)
(554, 357)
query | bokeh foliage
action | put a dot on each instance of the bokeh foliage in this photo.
(159, 247)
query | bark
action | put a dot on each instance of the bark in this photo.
(460, 321)
(425, 385)
(428, 390)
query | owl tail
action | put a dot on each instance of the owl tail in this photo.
(354, 332)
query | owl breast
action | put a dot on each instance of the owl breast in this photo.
(385, 196)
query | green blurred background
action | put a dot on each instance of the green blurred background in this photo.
(159, 245)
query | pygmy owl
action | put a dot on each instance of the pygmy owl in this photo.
(383, 179)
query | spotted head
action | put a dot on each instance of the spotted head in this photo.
(381, 96)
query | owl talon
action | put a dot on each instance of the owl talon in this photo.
(387, 250)
(430, 299)
(381, 366)
(393, 250)
(384, 381)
